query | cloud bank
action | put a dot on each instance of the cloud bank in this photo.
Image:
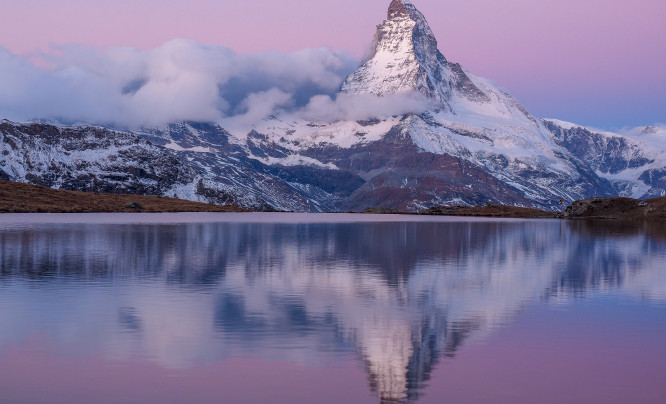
(182, 80)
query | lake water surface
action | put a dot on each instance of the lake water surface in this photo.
(291, 308)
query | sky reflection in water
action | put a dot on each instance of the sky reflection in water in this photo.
(429, 311)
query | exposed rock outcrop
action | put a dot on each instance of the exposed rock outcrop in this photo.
(617, 208)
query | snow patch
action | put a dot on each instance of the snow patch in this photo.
(296, 160)
(198, 149)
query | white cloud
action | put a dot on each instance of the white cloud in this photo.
(356, 107)
(654, 135)
(180, 80)
(658, 129)
(255, 107)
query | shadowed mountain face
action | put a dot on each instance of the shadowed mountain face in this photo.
(457, 140)
(400, 296)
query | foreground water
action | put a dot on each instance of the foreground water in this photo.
(283, 308)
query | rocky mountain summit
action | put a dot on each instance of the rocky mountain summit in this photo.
(469, 143)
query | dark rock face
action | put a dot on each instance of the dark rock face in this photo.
(333, 182)
(404, 178)
(396, 9)
(656, 178)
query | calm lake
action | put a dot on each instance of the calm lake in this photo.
(296, 308)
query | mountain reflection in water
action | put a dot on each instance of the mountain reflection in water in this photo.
(400, 295)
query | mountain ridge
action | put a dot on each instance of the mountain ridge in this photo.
(472, 145)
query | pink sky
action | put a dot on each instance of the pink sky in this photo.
(597, 62)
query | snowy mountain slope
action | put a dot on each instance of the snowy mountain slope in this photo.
(101, 160)
(81, 157)
(255, 166)
(634, 162)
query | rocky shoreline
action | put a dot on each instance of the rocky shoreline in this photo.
(594, 208)
(617, 209)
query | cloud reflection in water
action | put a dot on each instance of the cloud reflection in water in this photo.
(399, 295)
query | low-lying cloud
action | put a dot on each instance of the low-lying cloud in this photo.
(356, 107)
(657, 130)
(183, 80)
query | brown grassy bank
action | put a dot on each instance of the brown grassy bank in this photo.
(489, 211)
(26, 198)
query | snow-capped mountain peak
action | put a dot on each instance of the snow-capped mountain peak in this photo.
(404, 59)
(424, 41)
